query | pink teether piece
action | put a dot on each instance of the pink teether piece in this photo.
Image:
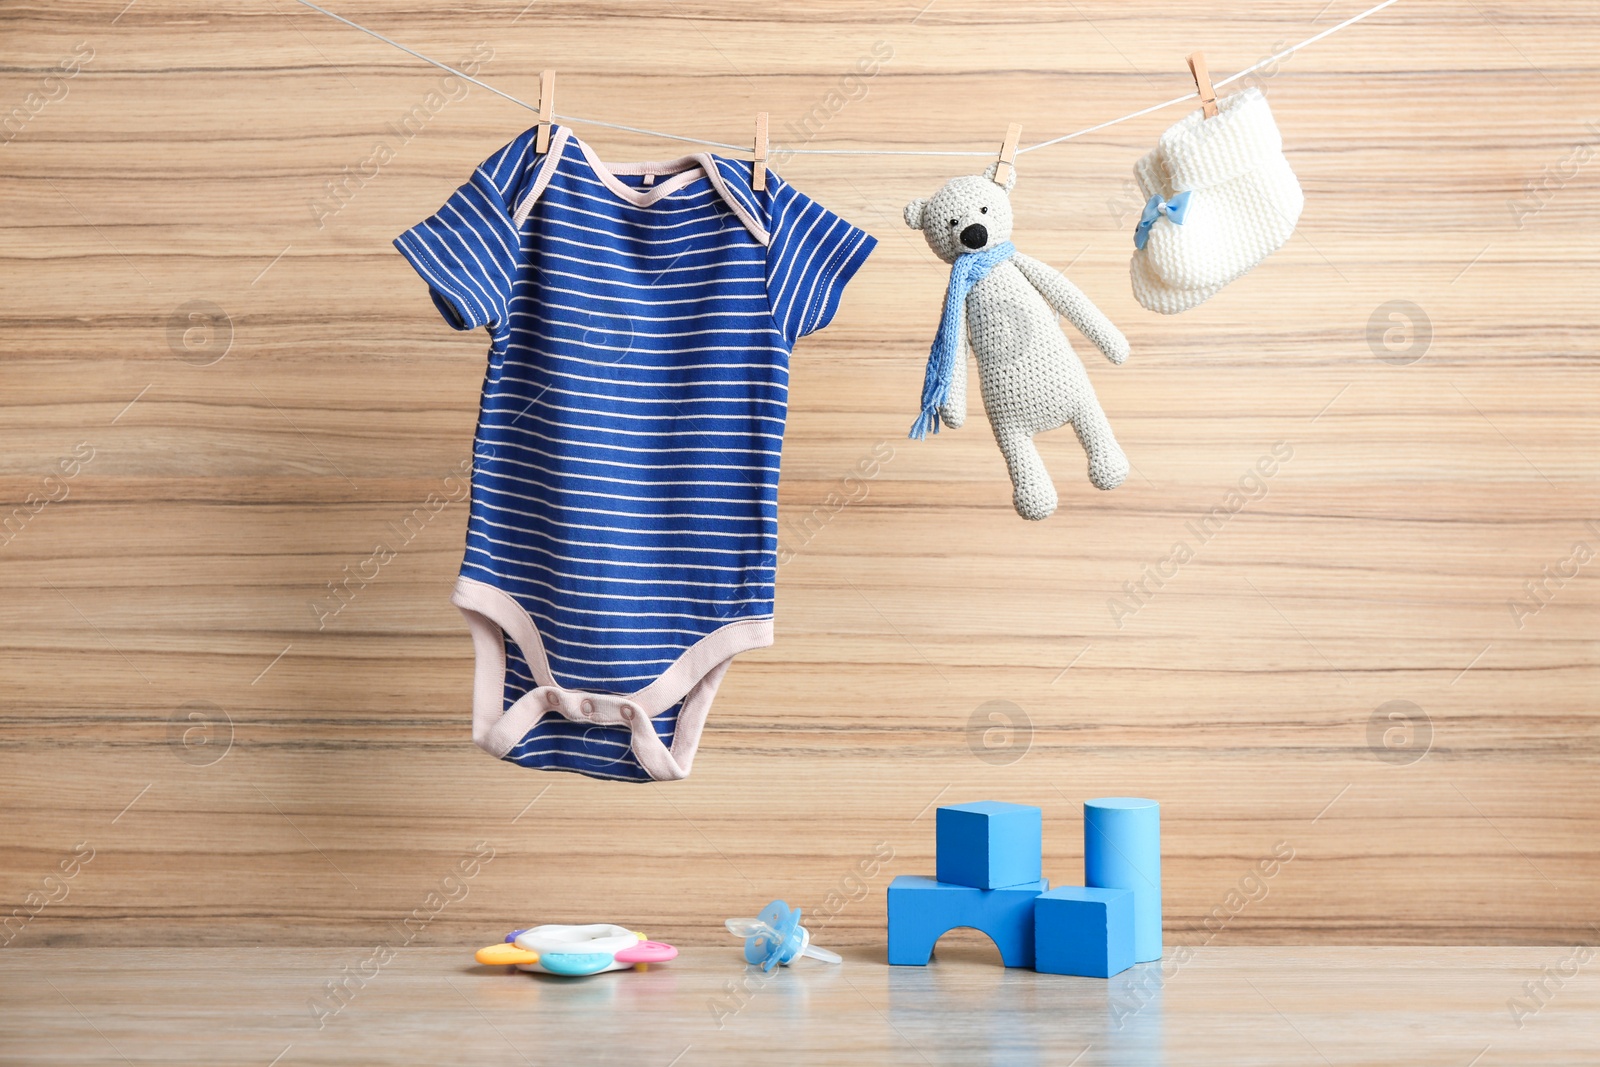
(647, 952)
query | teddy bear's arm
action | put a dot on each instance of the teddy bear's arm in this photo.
(953, 411)
(1067, 299)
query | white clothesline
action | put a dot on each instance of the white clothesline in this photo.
(1185, 98)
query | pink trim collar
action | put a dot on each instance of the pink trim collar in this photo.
(680, 172)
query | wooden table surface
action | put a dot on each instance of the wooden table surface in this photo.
(1238, 1007)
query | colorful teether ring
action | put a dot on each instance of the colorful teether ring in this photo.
(576, 950)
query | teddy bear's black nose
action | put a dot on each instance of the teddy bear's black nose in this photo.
(975, 236)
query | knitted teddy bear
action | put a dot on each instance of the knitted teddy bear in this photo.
(1005, 304)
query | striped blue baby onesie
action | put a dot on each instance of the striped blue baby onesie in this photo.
(622, 543)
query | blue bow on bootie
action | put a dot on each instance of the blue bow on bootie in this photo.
(1174, 209)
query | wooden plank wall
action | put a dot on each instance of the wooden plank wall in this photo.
(221, 387)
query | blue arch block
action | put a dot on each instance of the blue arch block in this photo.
(921, 910)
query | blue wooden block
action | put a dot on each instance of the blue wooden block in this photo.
(990, 844)
(1122, 850)
(1082, 931)
(921, 910)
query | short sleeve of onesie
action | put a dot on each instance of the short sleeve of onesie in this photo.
(623, 536)
(812, 255)
(467, 250)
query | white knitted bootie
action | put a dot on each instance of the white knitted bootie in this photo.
(1148, 288)
(1243, 199)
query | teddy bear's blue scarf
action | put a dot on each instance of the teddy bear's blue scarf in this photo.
(967, 272)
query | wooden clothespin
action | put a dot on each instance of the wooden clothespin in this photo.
(1202, 82)
(1007, 165)
(759, 170)
(547, 109)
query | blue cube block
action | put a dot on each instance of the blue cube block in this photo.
(922, 910)
(990, 844)
(1082, 931)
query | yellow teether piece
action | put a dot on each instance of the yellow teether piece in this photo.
(505, 953)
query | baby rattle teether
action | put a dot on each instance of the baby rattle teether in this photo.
(575, 950)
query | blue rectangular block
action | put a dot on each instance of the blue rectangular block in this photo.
(990, 844)
(922, 910)
(1083, 931)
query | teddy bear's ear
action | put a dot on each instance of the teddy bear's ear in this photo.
(914, 213)
(1011, 179)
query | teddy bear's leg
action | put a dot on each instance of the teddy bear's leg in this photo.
(1032, 492)
(1108, 466)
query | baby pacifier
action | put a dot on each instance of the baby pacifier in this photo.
(575, 950)
(776, 937)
